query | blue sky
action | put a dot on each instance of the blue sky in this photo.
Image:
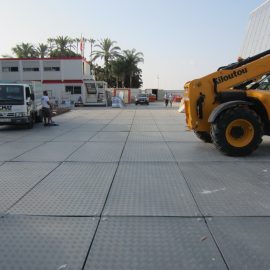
(180, 39)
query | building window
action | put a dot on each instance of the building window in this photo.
(10, 69)
(30, 69)
(51, 68)
(74, 90)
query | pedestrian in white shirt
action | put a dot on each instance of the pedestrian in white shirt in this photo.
(46, 108)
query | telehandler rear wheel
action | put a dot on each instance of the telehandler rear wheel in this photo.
(237, 131)
(204, 136)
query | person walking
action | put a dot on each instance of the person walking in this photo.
(166, 99)
(46, 108)
(171, 99)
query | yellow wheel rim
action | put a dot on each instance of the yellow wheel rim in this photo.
(239, 133)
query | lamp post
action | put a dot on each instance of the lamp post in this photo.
(157, 81)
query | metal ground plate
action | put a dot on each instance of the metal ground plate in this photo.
(98, 152)
(152, 243)
(117, 127)
(144, 127)
(152, 189)
(179, 136)
(146, 151)
(243, 241)
(230, 188)
(91, 127)
(145, 136)
(173, 127)
(75, 136)
(73, 189)
(45, 243)
(11, 150)
(197, 151)
(17, 178)
(110, 136)
(51, 151)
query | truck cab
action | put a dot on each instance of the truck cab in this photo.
(20, 103)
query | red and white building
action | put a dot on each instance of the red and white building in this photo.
(60, 76)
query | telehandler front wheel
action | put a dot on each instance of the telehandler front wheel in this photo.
(237, 131)
(203, 136)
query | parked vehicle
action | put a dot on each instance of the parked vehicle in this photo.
(230, 107)
(142, 99)
(20, 103)
(94, 93)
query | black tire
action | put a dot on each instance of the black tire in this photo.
(203, 136)
(31, 122)
(237, 131)
(39, 117)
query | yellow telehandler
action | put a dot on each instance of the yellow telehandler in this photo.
(231, 107)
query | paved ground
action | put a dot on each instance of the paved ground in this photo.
(129, 188)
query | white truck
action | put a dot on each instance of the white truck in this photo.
(20, 103)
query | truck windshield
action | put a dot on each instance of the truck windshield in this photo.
(11, 94)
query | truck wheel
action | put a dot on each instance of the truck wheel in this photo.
(31, 122)
(203, 136)
(237, 132)
(38, 117)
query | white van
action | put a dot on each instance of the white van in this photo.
(20, 103)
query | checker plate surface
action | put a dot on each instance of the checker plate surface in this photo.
(173, 127)
(179, 136)
(150, 190)
(147, 151)
(197, 151)
(117, 127)
(17, 178)
(51, 151)
(145, 137)
(98, 152)
(110, 137)
(144, 127)
(11, 150)
(153, 243)
(78, 136)
(243, 241)
(71, 190)
(230, 188)
(45, 243)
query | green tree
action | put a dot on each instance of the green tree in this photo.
(132, 59)
(42, 50)
(107, 52)
(62, 47)
(118, 70)
(99, 73)
(77, 42)
(24, 50)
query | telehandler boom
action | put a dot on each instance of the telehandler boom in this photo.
(231, 107)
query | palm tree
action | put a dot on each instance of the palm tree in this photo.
(118, 68)
(107, 51)
(132, 59)
(77, 41)
(42, 50)
(92, 42)
(7, 56)
(24, 50)
(62, 47)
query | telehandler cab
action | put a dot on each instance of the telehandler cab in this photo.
(231, 107)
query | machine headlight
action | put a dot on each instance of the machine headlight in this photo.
(20, 114)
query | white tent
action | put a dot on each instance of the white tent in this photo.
(257, 37)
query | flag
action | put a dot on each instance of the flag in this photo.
(82, 46)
